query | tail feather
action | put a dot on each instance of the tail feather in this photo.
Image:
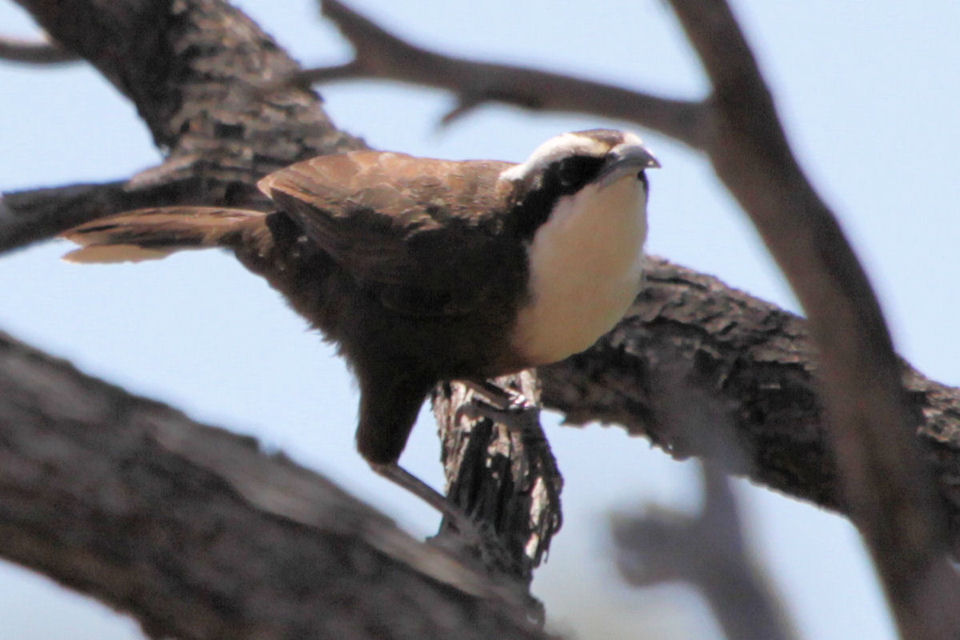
(150, 234)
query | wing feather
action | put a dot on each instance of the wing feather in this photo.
(406, 228)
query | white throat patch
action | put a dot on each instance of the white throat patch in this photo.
(585, 270)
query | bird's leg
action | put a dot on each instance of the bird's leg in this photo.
(403, 478)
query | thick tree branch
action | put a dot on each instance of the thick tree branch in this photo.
(754, 356)
(190, 86)
(696, 365)
(34, 51)
(190, 83)
(889, 492)
(27, 216)
(201, 535)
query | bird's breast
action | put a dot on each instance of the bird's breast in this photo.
(585, 270)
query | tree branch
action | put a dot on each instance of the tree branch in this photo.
(750, 359)
(380, 54)
(38, 214)
(889, 492)
(696, 365)
(201, 535)
(191, 85)
(490, 464)
(34, 51)
(661, 545)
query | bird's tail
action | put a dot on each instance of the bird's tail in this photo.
(150, 234)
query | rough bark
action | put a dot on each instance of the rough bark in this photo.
(746, 369)
(490, 464)
(191, 68)
(200, 534)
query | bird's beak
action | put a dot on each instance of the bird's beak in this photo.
(623, 159)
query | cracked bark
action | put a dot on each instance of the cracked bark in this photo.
(746, 366)
(200, 534)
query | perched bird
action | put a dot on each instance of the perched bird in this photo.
(423, 270)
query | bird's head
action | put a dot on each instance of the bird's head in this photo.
(571, 164)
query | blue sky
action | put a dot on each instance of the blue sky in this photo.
(868, 93)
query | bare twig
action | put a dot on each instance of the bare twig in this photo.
(890, 493)
(28, 216)
(34, 51)
(38, 214)
(708, 551)
(380, 54)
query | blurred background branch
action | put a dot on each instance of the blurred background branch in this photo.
(709, 552)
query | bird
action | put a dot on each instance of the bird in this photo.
(424, 270)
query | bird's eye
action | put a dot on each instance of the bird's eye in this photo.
(574, 172)
(570, 173)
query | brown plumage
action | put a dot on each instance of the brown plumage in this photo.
(415, 268)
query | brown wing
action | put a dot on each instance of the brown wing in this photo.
(409, 229)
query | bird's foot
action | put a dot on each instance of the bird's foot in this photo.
(502, 405)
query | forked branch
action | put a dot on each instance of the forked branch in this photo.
(380, 54)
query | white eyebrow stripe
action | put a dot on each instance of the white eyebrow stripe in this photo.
(567, 144)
